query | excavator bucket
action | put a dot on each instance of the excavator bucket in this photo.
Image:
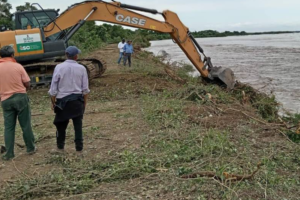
(225, 75)
(219, 74)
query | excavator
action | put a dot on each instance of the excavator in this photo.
(41, 36)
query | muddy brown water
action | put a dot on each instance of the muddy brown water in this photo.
(270, 63)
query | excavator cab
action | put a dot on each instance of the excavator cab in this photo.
(23, 20)
(35, 18)
(32, 23)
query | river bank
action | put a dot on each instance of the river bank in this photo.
(269, 63)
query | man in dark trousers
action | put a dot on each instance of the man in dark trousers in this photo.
(128, 51)
(14, 81)
(69, 91)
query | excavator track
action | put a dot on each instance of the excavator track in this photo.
(41, 73)
(95, 66)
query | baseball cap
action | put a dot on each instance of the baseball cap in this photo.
(7, 51)
(73, 51)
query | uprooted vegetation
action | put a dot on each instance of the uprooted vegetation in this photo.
(146, 134)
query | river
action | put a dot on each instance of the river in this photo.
(269, 63)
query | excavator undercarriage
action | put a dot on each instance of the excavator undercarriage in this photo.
(40, 73)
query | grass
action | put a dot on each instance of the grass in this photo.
(267, 106)
(153, 68)
(162, 111)
(293, 120)
(78, 176)
(64, 183)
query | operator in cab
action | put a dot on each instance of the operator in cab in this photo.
(14, 82)
(69, 93)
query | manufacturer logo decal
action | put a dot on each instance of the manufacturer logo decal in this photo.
(129, 20)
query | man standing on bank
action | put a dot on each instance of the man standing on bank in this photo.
(120, 47)
(69, 91)
(14, 81)
(128, 51)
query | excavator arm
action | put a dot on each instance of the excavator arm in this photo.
(117, 13)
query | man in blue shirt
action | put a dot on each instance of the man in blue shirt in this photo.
(128, 51)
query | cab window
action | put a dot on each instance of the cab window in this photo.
(13, 22)
(35, 20)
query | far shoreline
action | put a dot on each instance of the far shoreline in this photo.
(250, 34)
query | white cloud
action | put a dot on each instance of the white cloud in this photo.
(240, 24)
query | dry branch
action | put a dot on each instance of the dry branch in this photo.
(227, 176)
(34, 115)
(44, 138)
(173, 75)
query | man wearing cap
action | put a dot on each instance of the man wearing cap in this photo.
(69, 91)
(128, 51)
(14, 81)
(120, 47)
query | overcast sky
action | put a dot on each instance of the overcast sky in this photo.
(221, 15)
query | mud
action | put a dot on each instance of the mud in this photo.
(270, 63)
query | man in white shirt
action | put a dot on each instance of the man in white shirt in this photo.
(120, 47)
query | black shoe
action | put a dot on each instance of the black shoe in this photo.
(3, 149)
(32, 152)
(6, 158)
